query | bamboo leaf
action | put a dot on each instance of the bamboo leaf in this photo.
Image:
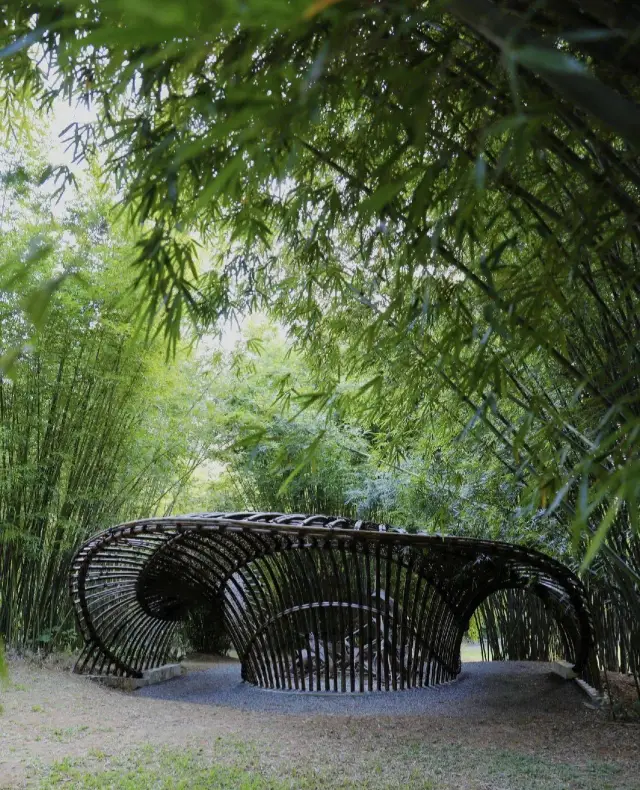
(600, 534)
(307, 458)
(37, 302)
(548, 59)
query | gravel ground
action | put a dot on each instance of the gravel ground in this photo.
(481, 687)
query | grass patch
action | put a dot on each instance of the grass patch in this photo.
(470, 651)
(236, 765)
(173, 772)
(67, 734)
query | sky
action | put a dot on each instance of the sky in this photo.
(61, 116)
(64, 114)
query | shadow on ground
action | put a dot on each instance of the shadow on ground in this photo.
(480, 687)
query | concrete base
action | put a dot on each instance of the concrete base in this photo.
(596, 698)
(564, 669)
(149, 678)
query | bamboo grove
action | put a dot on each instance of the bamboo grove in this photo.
(439, 201)
(79, 431)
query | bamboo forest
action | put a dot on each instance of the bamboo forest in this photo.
(374, 262)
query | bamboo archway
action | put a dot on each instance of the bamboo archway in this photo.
(310, 602)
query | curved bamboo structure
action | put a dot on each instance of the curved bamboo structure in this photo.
(310, 602)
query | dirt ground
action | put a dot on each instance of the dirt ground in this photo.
(50, 714)
(622, 690)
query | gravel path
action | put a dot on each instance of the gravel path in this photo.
(480, 688)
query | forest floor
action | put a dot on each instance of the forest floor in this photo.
(535, 733)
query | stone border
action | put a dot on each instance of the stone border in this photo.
(149, 678)
(564, 669)
(596, 699)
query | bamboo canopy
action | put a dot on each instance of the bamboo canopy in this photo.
(312, 603)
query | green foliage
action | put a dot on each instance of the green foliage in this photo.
(276, 450)
(272, 450)
(478, 250)
(92, 428)
(440, 204)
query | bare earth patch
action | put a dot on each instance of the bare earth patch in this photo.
(51, 715)
(623, 692)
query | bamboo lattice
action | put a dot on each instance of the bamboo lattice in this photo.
(312, 603)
